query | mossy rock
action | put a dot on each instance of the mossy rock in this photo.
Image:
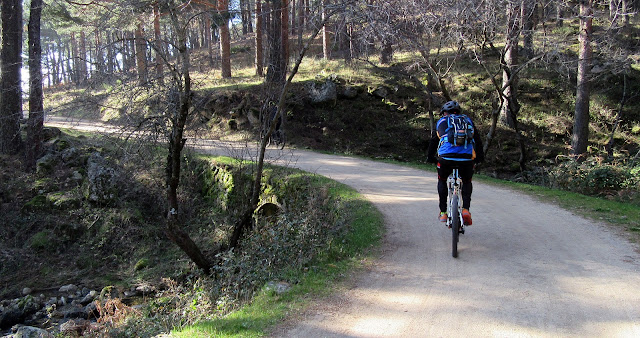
(44, 185)
(65, 200)
(41, 240)
(61, 144)
(39, 202)
(225, 186)
(46, 164)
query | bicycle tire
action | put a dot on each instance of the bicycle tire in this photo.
(455, 226)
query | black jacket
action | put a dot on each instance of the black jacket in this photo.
(435, 140)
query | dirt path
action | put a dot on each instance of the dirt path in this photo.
(525, 268)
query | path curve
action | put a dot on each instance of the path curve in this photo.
(525, 268)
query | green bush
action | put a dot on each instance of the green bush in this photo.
(593, 178)
(604, 178)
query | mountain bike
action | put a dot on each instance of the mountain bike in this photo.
(454, 210)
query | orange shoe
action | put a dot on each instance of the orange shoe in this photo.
(466, 217)
(443, 217)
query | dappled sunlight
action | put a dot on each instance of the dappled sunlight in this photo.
(400, 198)
(342, 163)
(374, 326)
(614, 329)
(596, 290)
(421, 297)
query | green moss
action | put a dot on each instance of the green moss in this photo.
(141, 264)
(41, 240)
(39, 202)
(225, 186)
(64, 199)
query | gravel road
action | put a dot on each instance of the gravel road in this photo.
(525, 268)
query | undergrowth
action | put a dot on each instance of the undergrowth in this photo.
(323, 230)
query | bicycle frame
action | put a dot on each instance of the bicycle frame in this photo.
(454, 185)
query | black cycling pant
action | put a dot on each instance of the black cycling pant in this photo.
(465, 169)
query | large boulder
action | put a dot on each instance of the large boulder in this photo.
(46, 163)
(349, 92)
(102, 180)
(326, 91)
(32, 332)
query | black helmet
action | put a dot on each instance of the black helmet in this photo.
(450, 106)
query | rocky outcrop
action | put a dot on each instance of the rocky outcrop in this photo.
(68, 310)
(322, 92)
(102, 179)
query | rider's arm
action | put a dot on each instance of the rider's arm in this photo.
(477, 145)
(435, 141)
(441, 127)
(433, 149)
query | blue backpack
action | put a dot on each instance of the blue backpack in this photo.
(459, 130)
(456, 144)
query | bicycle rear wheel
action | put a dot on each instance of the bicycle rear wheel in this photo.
(455, 226)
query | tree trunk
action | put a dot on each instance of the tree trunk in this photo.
(386, 55)
(158, 43)
(83, 58)
(301, 22)
(266, 18)
(613, 8)
(580, 138)
(259, 49)
(99, 55)
(325, 35)
(209, 39)
(353, 51)
(528, 25)
(176, 143)
(626, 11)
(75, 63)
(131, 49)
(275, 73)
(510, 60)
(293, 21)
(55, 67)
(225, 38)
(61, 62)
(344, 38)
(36, 108)
(47, 62)
(243, 17)
(250, 16)
(285, 35)
(141, 56)
(10, 90)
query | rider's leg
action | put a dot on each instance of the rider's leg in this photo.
(444, 170)
(466, 173)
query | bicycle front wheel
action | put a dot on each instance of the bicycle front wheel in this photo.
(455, 226)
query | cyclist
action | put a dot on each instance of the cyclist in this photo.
(450, 156)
